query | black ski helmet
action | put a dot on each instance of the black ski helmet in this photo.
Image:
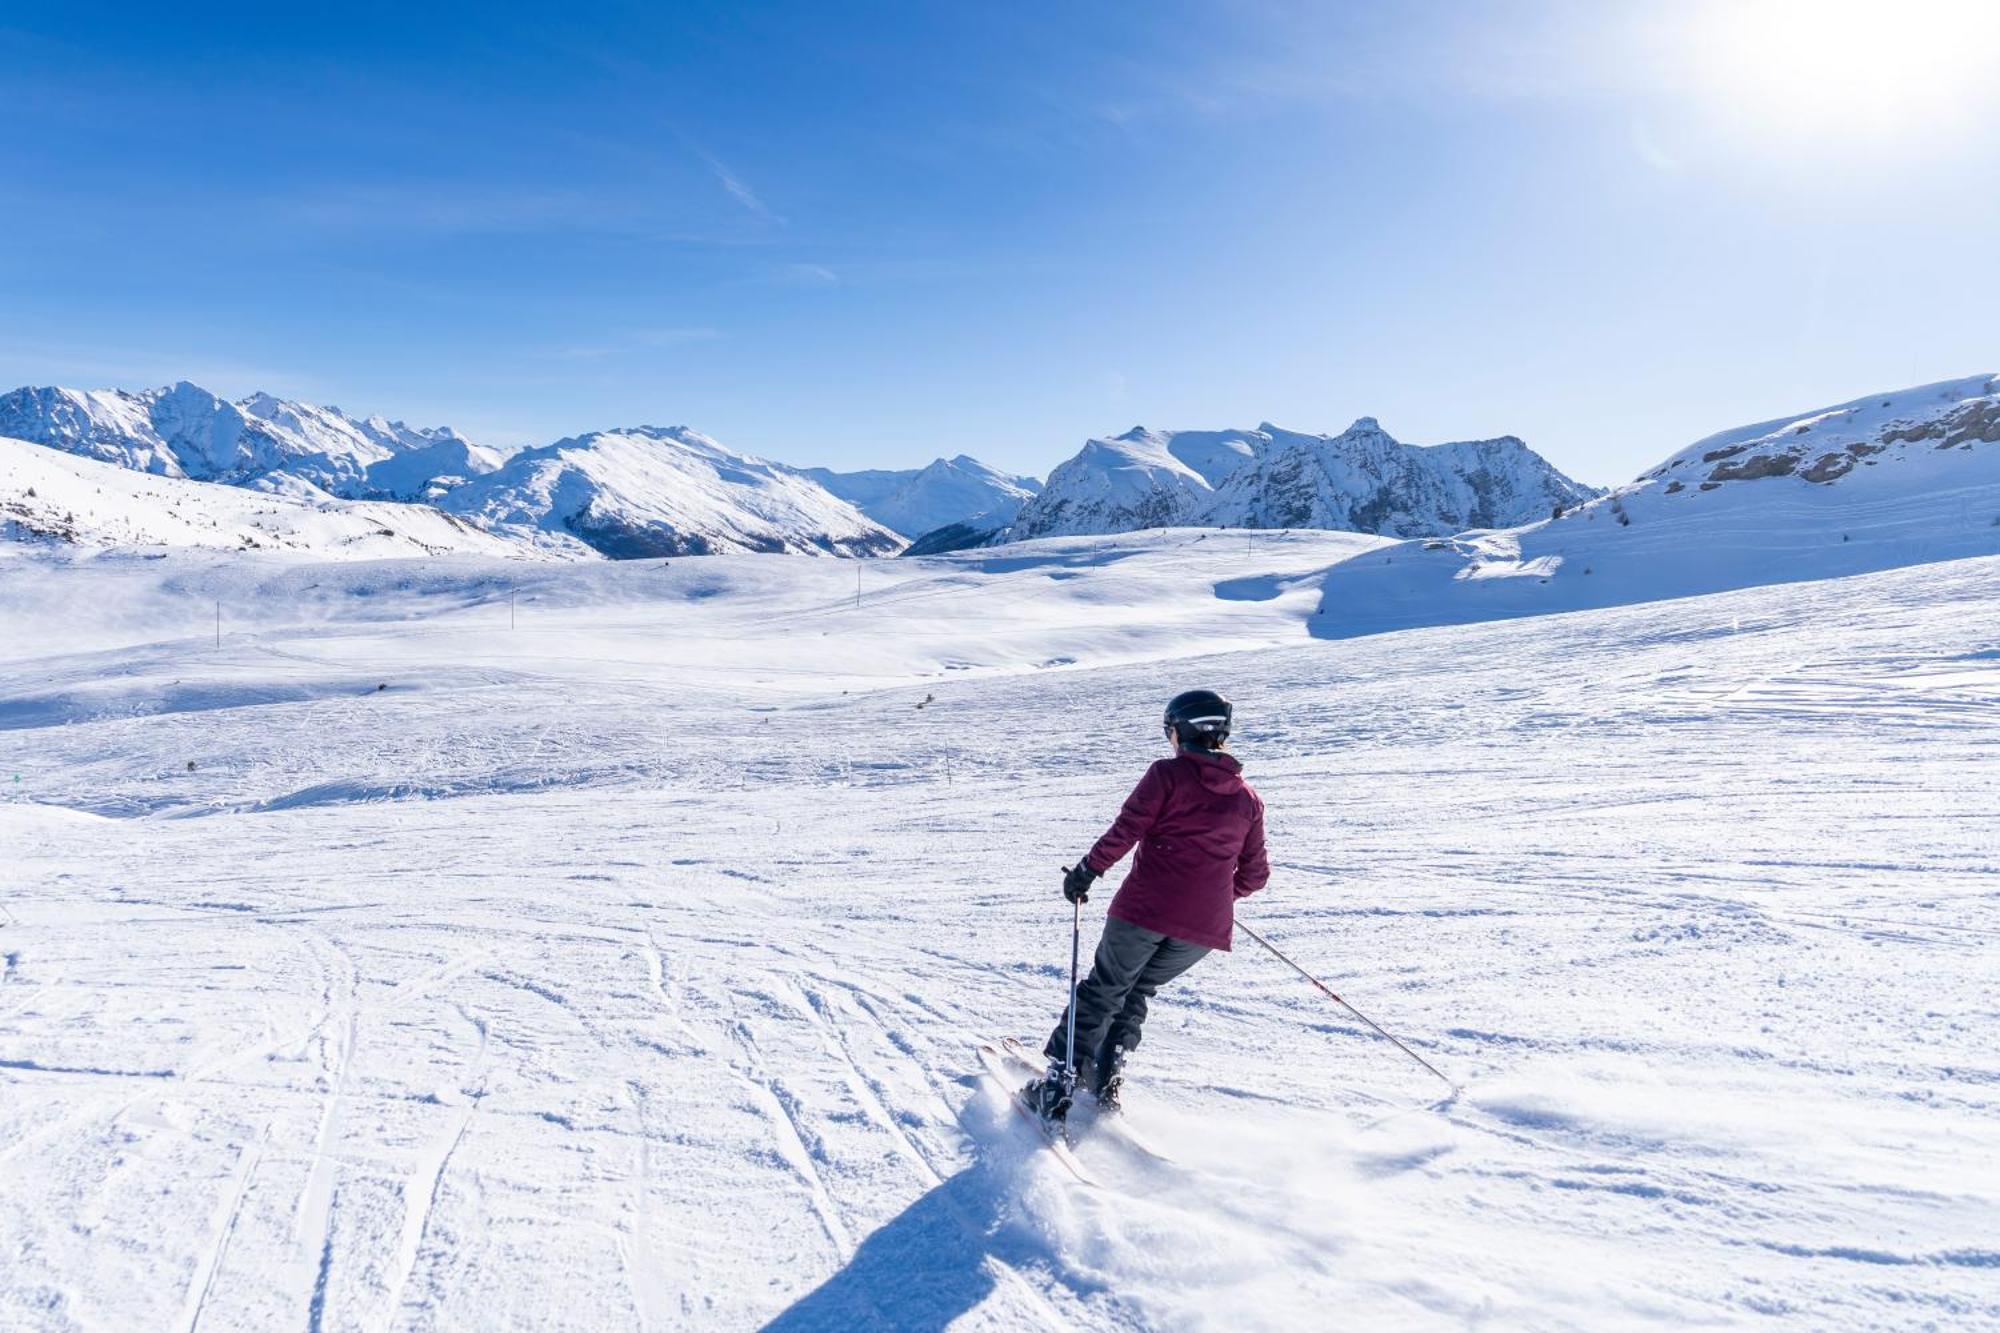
(1199, 718)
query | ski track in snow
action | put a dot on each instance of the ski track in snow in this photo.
(624, 970)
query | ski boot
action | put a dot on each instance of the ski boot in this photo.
(1053, 1093)
(1109, 1091)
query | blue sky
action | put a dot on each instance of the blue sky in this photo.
(875, 233)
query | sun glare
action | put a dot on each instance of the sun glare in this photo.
(1849, 70)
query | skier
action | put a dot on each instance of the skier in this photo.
(1199, 829)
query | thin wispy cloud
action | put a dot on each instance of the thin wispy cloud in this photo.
(732, 184)
(621, 68)
(1286, 57)
(418, 208)
(863, 271)
(740, 192)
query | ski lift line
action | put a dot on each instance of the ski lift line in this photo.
(1327, 991)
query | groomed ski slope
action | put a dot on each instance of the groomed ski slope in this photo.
(622, 968)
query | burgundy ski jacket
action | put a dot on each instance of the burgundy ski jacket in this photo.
(1200, 833)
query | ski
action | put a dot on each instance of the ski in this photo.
(997, 1065)
(1023, 1055)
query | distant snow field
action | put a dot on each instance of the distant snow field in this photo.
(466, 943)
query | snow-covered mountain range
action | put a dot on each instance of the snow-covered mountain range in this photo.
(186, 431)
(949, 491)
(1361, 480)
(655, 491)
(1892, 479)
(51, 495)
(640, 491)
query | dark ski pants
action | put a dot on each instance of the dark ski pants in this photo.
(1131, 964)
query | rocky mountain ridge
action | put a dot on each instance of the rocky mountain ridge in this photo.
(185, 431)
(1361, 480)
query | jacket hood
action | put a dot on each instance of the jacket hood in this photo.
(1217, 771)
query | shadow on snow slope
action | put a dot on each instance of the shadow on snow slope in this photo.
(927, 1266)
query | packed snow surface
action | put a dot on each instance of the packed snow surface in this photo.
(466, 943)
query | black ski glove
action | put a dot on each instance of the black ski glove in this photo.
(1076, 882)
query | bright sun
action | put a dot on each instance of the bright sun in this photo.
(1849, 69)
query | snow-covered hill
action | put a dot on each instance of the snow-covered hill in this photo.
(398, 962)
(49, 496)
(643, 491)
(654, 491)
(186, 431)
(1891, 479)
(1362, 480)
(949, 491)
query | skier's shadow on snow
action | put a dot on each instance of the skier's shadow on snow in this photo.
(920, 1270)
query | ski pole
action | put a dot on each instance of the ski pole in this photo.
(1328, 992)
(1075, 935)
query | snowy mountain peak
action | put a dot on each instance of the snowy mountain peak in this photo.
(55, 496)
(184, 430)
(648, 491)
(672, 439)
(636, 490)
(947, 492)
(1361, 480)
